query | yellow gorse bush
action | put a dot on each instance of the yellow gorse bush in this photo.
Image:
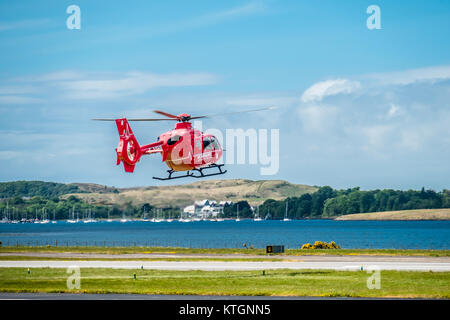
(307, 246)
(321, 245)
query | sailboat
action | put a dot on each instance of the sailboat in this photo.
(14, 217)
(44, 220)
(144, 219)
(169, 220)
(257, 217)
(202, 216)
(157, 216)
(109, 219)
(285, 214)
(5, 215)
(36, 220)
(73, 218)
(237, 213)
(53, 221)
(181, 217)
(124, 219)
(89, 219)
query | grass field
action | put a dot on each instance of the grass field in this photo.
(274, 282)
(34, 258)
(173, 250)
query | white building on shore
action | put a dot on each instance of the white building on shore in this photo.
(204, 209)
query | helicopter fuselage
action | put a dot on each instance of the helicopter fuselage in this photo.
(185, 148)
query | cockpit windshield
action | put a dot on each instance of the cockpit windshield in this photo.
(214, 143)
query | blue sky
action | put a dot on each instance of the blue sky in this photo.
(355, 107)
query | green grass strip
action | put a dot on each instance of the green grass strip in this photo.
(252, 283)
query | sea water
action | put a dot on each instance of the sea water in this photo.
(233, 234)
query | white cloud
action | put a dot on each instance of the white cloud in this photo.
(322, 89)
(23, 24)
(430, 74)
(318, 119)
(52, 76)
(386, 115)
(319, 90)
(213, 18)
(263, 100)
(77, 85)
(132, 83)
(18, 89)
(15, 99)
(393, 111)
(376, 135)
(10, 155)
(411, 138)
(185, 25)
(247, 9)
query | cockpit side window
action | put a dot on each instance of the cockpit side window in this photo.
(173, 140)
(207, 144)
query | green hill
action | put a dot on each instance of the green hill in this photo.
(35, 188)
(255, 192)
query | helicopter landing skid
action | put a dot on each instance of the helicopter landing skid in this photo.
(191, 174)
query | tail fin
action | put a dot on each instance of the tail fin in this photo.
(128, 150)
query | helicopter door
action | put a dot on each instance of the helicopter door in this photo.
(198, 151)
(207, 150)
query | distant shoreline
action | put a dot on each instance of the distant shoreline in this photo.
(371, 216)
(402, 215)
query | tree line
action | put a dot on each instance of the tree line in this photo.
(325, 202)
(328, 202)
(17, 208)
(35, 188)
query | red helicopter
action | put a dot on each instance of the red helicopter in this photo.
(183, 148)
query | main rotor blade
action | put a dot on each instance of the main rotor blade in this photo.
(199, 117)
(172, 117)
(152, 119)
(167, 114)
(137, 119)
(235, 112)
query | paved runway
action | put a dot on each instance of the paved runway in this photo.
(337, 263)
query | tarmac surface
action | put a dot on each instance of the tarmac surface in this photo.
(401, 263)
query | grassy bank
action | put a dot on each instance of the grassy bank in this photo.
(227, 251)
(120, 258)
(420, 214)
(274, 282)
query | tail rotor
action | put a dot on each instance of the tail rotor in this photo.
(128, 151)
